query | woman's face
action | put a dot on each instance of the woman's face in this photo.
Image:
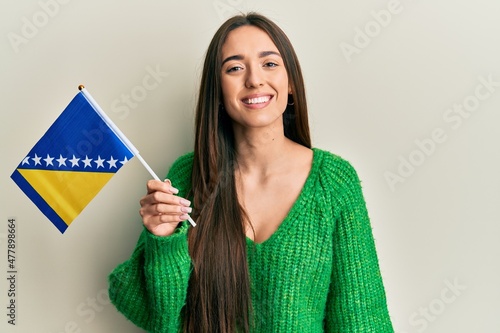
(254, 80)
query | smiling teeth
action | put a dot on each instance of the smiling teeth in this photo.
(257, 100)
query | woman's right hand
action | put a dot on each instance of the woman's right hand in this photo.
(161, 209)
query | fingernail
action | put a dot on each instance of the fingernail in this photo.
(172, 189)
(185, 202)
(184, 217)
(186, 209)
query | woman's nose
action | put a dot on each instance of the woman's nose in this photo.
(254, 77)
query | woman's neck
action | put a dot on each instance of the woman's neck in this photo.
(261, 152)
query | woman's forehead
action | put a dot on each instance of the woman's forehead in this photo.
(247, 40)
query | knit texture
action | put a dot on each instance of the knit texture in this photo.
(318, 272)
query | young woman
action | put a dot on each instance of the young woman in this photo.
(283, 241)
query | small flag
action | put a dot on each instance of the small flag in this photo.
(72, 162)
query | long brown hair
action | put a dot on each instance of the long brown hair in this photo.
(219, 298)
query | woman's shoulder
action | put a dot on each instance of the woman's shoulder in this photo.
(334, 168)
(183, 163)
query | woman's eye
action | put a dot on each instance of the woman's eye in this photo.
(270, 64)
(233, 69)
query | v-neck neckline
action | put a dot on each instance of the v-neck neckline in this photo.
(297, 205)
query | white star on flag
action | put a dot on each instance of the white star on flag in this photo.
(124, 160)
(26, 161)
(48, 160)
(61, 160)
(112, 162)
(37, 159)
(87, 161)
(74, 161)
(99, 162)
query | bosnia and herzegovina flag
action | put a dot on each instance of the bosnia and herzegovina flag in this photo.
(69, 165)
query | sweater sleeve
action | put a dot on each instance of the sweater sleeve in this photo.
(150, 287)
(356, 301)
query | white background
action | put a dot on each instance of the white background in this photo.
(377, 86)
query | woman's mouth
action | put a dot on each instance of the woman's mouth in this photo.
(257, 101)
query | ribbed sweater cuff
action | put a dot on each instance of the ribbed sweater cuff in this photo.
(173, 248)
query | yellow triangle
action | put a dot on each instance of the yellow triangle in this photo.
(66, 192)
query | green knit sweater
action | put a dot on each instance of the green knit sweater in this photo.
(317, 273)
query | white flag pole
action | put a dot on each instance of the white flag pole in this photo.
(122, 136)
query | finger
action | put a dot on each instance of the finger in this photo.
(156, 185)
(153, 214)
(159, 202)
(172, 189)
(158, 219)
(159, 197)
(172, 209)
(172, 218)
(162, 224)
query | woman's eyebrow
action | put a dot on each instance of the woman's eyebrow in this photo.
(240, 57)
(234, 57)
(267, 53)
